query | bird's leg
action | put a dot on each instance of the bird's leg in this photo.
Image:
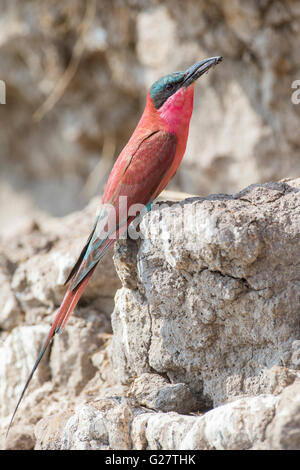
(149, 206)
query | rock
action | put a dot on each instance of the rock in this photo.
(10, 312)
(237, 425)
(157, 431)
(155, 392)
(20, 438)
(284, 431)
(215, 283)
(17, 356)
(205, 350)
(104, 426)
(115, 424)
(70, 360)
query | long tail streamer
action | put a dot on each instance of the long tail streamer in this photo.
(68, 305)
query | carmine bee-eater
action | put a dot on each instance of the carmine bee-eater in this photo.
(143, 169)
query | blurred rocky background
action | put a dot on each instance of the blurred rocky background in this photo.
(76, 75)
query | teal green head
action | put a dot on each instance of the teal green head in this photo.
(166, 86)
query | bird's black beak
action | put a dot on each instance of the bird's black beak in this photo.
(198, 69)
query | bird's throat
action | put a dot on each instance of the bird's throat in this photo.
(176, 112)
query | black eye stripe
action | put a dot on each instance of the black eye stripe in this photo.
(169, 86)
(163, 88)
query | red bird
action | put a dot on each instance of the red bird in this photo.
(143, 169)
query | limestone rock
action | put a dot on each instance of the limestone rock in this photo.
(104, 426)
(205, 350)
(284, 431)
(213, 301)
(116, 424)
(48, 251)
(155, 392)
(17, 356)
(21, 438)
(49, 431)
(237, 425)
(10, 311)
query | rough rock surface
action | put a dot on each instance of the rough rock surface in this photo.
(205, 351)
(257, 422)
(211, 295)
(244, 128)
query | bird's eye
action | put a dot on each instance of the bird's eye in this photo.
(169, 86)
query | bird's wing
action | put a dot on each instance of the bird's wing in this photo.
(143, 171)
(137, 180)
